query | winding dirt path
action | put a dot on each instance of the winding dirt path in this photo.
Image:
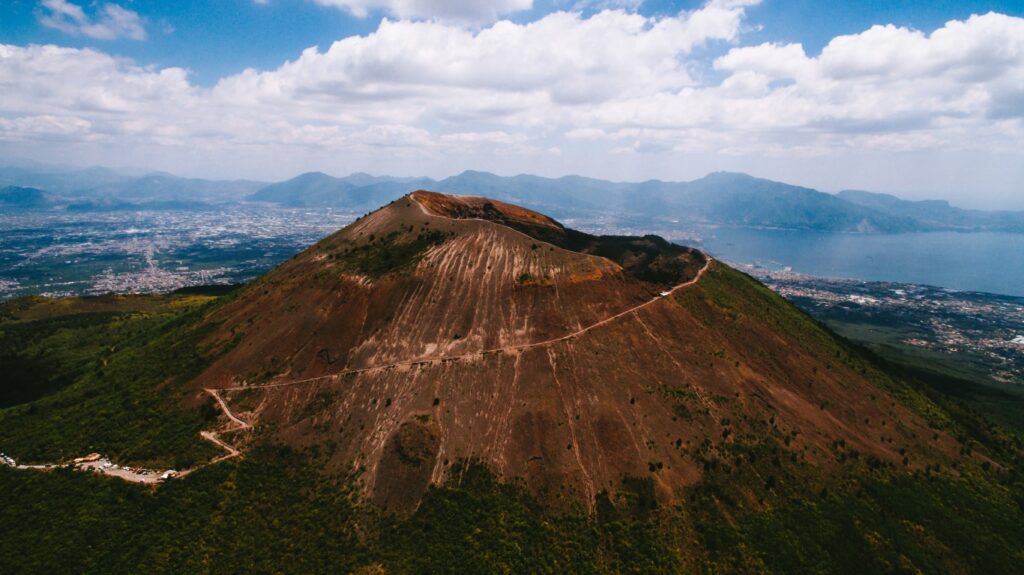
(504, 349)
(214, 436)
(224, 407)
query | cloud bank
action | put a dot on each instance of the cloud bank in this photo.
(613, 84)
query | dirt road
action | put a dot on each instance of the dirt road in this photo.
(214, 436)
(506, 349)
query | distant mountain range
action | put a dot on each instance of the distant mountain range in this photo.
(720, 198)
(25, 198)
(103, 189)
(935, 213)
(359, 191)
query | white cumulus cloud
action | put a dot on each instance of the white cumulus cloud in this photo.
(111, 22)
(891, 80)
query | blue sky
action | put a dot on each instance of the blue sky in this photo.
(215, 38)
(918, 98)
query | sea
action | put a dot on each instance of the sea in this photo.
(989, 262)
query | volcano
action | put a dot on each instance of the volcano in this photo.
(441, 329)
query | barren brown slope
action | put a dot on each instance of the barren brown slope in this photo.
(447, 318)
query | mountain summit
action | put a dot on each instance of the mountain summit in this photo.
(447, 328)
(455, 384)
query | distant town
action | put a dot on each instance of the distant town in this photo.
(61, 254)
(983, 333)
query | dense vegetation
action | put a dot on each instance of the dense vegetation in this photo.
(270, 510)
(102, 379)
(759, 510)
(274, 511)
(43, 356)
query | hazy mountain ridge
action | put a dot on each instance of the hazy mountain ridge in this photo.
(163, 187)
(356, 191)
(720, 198)
(23, 197)
(938, 214)
(104, 189)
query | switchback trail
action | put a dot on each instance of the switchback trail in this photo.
(214, 436)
